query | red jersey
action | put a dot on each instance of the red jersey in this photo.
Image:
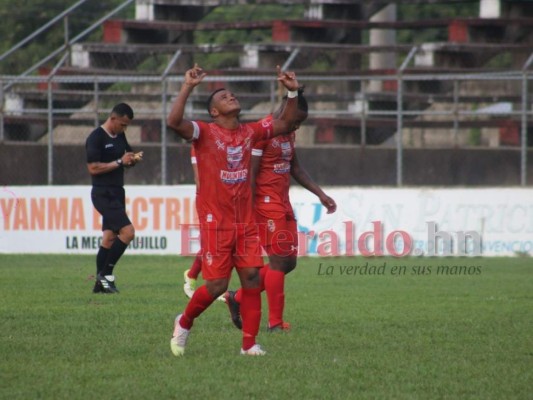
(223, 157)
(274, 176)
(193, 155)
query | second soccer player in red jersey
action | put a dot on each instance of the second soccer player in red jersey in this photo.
(274, 161)
(228, 234)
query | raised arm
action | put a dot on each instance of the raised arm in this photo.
(286, 121)
(175, 120)
(301, 176)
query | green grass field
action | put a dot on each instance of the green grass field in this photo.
(436, 335)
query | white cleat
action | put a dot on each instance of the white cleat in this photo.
(255, 350)
(179, 338)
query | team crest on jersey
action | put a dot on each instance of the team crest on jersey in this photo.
(286, 151)
(208, 258)
(271, 225)
(234, 156)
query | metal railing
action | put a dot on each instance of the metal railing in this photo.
(397, 110)
(453, 116)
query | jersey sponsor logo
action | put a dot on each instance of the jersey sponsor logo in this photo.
(209, 258)
(234, 156)
(108, 145)
(282, 168)
(233, 177)
(271, 225)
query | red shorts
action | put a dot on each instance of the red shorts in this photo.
(224, 249)
(279, 236)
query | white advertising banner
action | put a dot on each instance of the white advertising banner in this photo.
(368, 221)
(417, 222)
(62, 219)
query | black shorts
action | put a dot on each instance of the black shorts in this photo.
(110, 202)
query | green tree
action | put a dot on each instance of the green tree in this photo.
(19, 22)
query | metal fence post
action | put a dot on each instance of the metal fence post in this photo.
(164, 140)
(50, 134)
(523, 144)
(456, 113)
(164, 132)
(1, 111)
(51, 118)
(399, 129)
(523, 147)
(399, 117)
(96, 102)
(363, 113)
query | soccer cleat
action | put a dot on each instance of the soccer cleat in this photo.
(179, 338)
(255, 350)
(234, 309)
(97, 287)
(283, 327)
(189, 285)
(105, 284)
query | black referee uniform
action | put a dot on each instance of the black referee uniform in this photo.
(107, 194)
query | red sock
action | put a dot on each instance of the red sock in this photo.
(200, 300)
(262, 273)
(251, 316)
(275, 289)
(196, 267)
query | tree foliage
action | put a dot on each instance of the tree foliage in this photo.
(20, 20)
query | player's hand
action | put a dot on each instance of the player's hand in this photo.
(287, 78)
(194, 76)
(329, 203)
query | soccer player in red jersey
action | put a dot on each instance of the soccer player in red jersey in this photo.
(228, 234)
(274, 161)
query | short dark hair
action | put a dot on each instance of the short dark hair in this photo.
(122, 110)
(210, 99)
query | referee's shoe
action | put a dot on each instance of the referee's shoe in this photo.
(105, 284)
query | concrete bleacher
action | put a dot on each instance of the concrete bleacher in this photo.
(332, 29)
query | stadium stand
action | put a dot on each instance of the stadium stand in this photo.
(357, 42)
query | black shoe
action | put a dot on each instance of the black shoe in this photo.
(234, 309)
(98, 287)
(105, 284)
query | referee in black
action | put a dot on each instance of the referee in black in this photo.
(108, 152)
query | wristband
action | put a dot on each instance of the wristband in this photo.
(119, 161)
(291, 94)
